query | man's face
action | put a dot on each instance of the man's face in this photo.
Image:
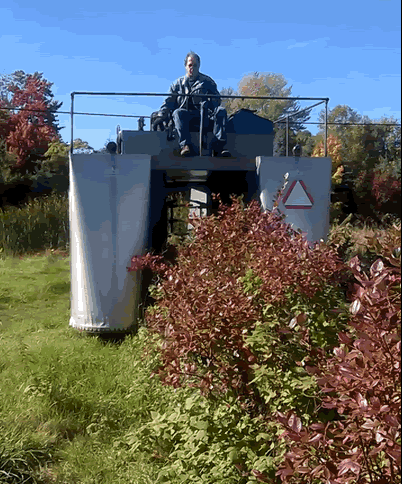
(192, 67)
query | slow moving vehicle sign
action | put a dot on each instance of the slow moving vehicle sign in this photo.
(306, 186)
(297, 196)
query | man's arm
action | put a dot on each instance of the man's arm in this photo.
(213, 89)
(217, 100)
(170, 103)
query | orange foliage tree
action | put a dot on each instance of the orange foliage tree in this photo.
(334, 147)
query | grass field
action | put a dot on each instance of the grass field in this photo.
(67, 400)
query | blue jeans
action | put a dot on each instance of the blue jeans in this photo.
(184, 121)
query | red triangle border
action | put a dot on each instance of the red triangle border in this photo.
(290, 191)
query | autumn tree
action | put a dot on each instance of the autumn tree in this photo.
(362, 145)
(29, 125)
(19, 79)
(370, 153)
(392, 148)
(274, 85)
(334, 147)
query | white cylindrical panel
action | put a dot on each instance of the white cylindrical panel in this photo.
(306, 195)
(108, 210)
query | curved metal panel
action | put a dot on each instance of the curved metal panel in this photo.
(108, 210)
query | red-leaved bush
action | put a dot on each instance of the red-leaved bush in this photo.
(203, 312)
(385, 187)
(361, 383)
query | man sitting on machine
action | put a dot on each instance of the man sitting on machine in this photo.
(191, 111)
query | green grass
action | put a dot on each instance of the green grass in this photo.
(67, 400)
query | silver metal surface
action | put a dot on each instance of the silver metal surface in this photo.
(202, 106)
(279, 98)
(311, 180)
(108, 211)
(326, 129)
(72, 123)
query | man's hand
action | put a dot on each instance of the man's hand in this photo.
(159, 121)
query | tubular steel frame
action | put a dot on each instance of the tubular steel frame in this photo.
(210, 96)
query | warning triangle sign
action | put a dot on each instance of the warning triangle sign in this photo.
(297, 196)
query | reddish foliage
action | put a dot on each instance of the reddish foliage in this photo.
(27, 131)
(4, 121)
(361, 382)
(204, 312)
(385, 187)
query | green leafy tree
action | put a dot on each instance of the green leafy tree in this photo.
(81, 146)
(350, 137)
(269, 84)
(306, 140)
(56, 157)
(362, 146)
(341, 113)
(393, 142)
(7, 161)
(53, 165)
(371, 156)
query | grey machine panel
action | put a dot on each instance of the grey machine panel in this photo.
(307, 191)
(108, 210)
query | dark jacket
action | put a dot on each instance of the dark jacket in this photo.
(203, 85)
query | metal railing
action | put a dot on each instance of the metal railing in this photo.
(213, 96)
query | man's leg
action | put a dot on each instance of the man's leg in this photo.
(220, 121)
(181, 118)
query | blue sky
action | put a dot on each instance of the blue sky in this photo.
(348, 51)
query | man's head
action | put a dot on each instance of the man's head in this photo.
(192, 63)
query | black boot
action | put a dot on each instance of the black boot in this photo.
(219, 150)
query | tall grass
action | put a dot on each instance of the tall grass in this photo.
(362, 237)
(41, 223)
(67, 401)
